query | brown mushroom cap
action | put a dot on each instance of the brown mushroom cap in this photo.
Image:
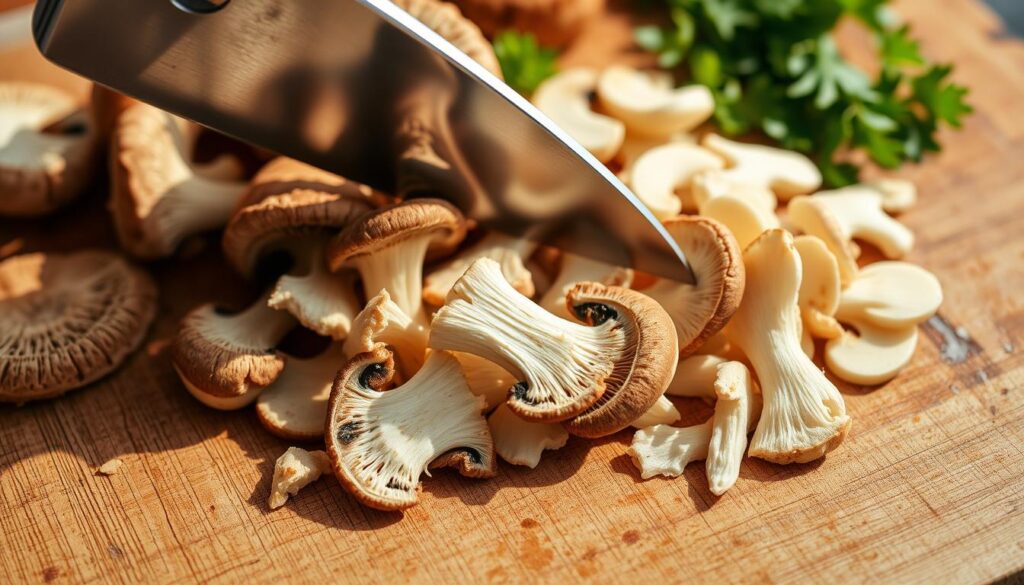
(47, 149)
(553, 22)
(388, 226)
(446, 20)
(645, 370)
(286, 198)
(68, 320)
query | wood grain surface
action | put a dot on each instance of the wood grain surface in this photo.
(928, 487)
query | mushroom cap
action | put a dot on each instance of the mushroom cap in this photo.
(871, 355)
(648, 104)
(640, 376)
(662, 176)
(230, 356)
(42, 170)
(294, 406)
(553, 22)
(565, 98)
(68, 320)
(286, 198)
(701, 310)
(447, 20)
(892, 295)
(380, 442)
(390, 225)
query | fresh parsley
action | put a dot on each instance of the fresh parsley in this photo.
(774, 67)
(524, 63)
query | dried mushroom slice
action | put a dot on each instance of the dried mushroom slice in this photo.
(47, 149)
(295, 469)
(383, 321)
(380, 442)
(520, 442)
(509, 251)
(294, 406)
(225, 360)
(68, 320)
(636, 383)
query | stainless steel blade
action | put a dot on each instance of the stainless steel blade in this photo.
(360, 88)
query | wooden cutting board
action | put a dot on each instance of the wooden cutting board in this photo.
(929, 485)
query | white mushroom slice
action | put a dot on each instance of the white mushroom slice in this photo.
(871, 355)
(295, 469)
(892, 295)
(635, 146)
(819, 288)
(42, 170)
(745, 220)
(666, 450)
(785, 172)
(648, 104)
(225, 361)
(320, 300)
(381, 442)
(662, 413)
(485, 379)
(716, 183)
(520, 442)
(383, 321)
(897, 195)
(804, 414)
(695, 376)
(861, 217)
(661, 177)
(294, 406)
(508, 251)
(813, 218)
(806, 341)
(575, 269)
(736, 412)
(565, 98)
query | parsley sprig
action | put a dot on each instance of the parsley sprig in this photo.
(524, 63)
(774, 67)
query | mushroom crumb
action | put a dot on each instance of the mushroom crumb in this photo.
(110, 467)
(294, 470)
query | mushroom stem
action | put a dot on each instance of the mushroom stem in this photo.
(736, 412)
(398, 270)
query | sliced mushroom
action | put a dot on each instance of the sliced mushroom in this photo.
(68, 320)
(712, 183)
(520, 442)
(294, 406)
(785, 172)
(565, 98)
(695, 376)
(158, 197)
(380, 442)
(815, 219)
(745, 220)
(667, 450)
(861, 216)
(819, 288)
(635, 146)
(662, 413)
(897, 195)
(383, 321)
(562, 367)
(870, 355)
(508, 251)
(804, 414)
(47, 149)
(225, 360)
(553, 22)
(662, 177)
(891, 295)
(574, 269)
(447, 20)
(295, 469)
(736, 412)
(389, 245)
(701, 310)
(647, 103)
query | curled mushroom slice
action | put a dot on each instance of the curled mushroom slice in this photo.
(380, 442)
(737, 409)
(892, 295)
(896, 195)
(663, 412)
(785, 172)
(819, 288)
(447, 20)
(158, 197)
(661, 177)
(68, 320)
(226, 360)
(383, 321)
(389, 245)
(574, 269)
(508, 251)
(562, 367)
(710, 184)
(870, 355)
(295, 469)
(47, 149)
(861, 216)
(634, 146)
(701, 310)
(804, 414)
(745, 220)
(520, 442)
(565, 98)
(815, 219)
(648, 104)
(294, 406)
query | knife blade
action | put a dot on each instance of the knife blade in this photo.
(362, 89)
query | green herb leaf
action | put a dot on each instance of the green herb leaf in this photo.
(524, 63)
